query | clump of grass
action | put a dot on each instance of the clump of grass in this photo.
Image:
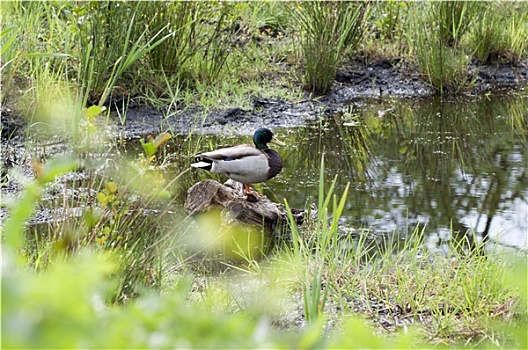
(197, 49)
(10, 58)
(461, 297)
(49, 105)
(328, 29)
(501, 32)
(386, 36)
(310, 254)
(25, 53)
(446, 35)
(437, 29)
(109, 49)
(454, 19)
(388, 16)
(454, 297)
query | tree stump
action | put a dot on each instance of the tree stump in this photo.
(235, 209)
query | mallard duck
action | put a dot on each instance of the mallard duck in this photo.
(246, 163)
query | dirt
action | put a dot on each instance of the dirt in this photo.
(386, 78)
(354, 82)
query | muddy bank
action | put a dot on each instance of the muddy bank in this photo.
(354, 83)
(388, 78)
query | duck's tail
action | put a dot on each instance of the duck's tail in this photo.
(202, 163)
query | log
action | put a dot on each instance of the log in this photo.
(236, 209)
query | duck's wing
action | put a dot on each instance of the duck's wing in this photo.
(232, 153)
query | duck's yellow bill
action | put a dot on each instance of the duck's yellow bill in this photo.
(277, 142)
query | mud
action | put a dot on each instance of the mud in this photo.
(355, 81)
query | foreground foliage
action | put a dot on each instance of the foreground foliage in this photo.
(468, 296)
(132, 272)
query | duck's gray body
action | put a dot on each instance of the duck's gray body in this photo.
(246, 163)
(243, 163)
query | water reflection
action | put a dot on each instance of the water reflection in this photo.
(455, 166)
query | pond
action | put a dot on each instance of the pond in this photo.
(457, 167)
(453, 167)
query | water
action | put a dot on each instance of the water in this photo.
(454, 166)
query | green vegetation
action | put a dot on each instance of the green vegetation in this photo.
(500, 33)
(438, 30)
(173, 52)
(85, 296)
(328, 28)
(125, 268)
(446, 35)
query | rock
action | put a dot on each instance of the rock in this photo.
(236, 209)
(206, 195)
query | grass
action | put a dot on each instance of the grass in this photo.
(247, 50)
(435, 40)
(131, 271)
(495, 42)
(448, 296)
(328, 29)
(420, 296)
(312, 253)
(446, 35)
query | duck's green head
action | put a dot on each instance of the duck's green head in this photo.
(263, 136)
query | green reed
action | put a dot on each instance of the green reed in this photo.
(328, 29)
(436, 32)
(501, 32)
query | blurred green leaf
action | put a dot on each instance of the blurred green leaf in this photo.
(162, 138)
(93, 111)
(56, 167)
(149, 147)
